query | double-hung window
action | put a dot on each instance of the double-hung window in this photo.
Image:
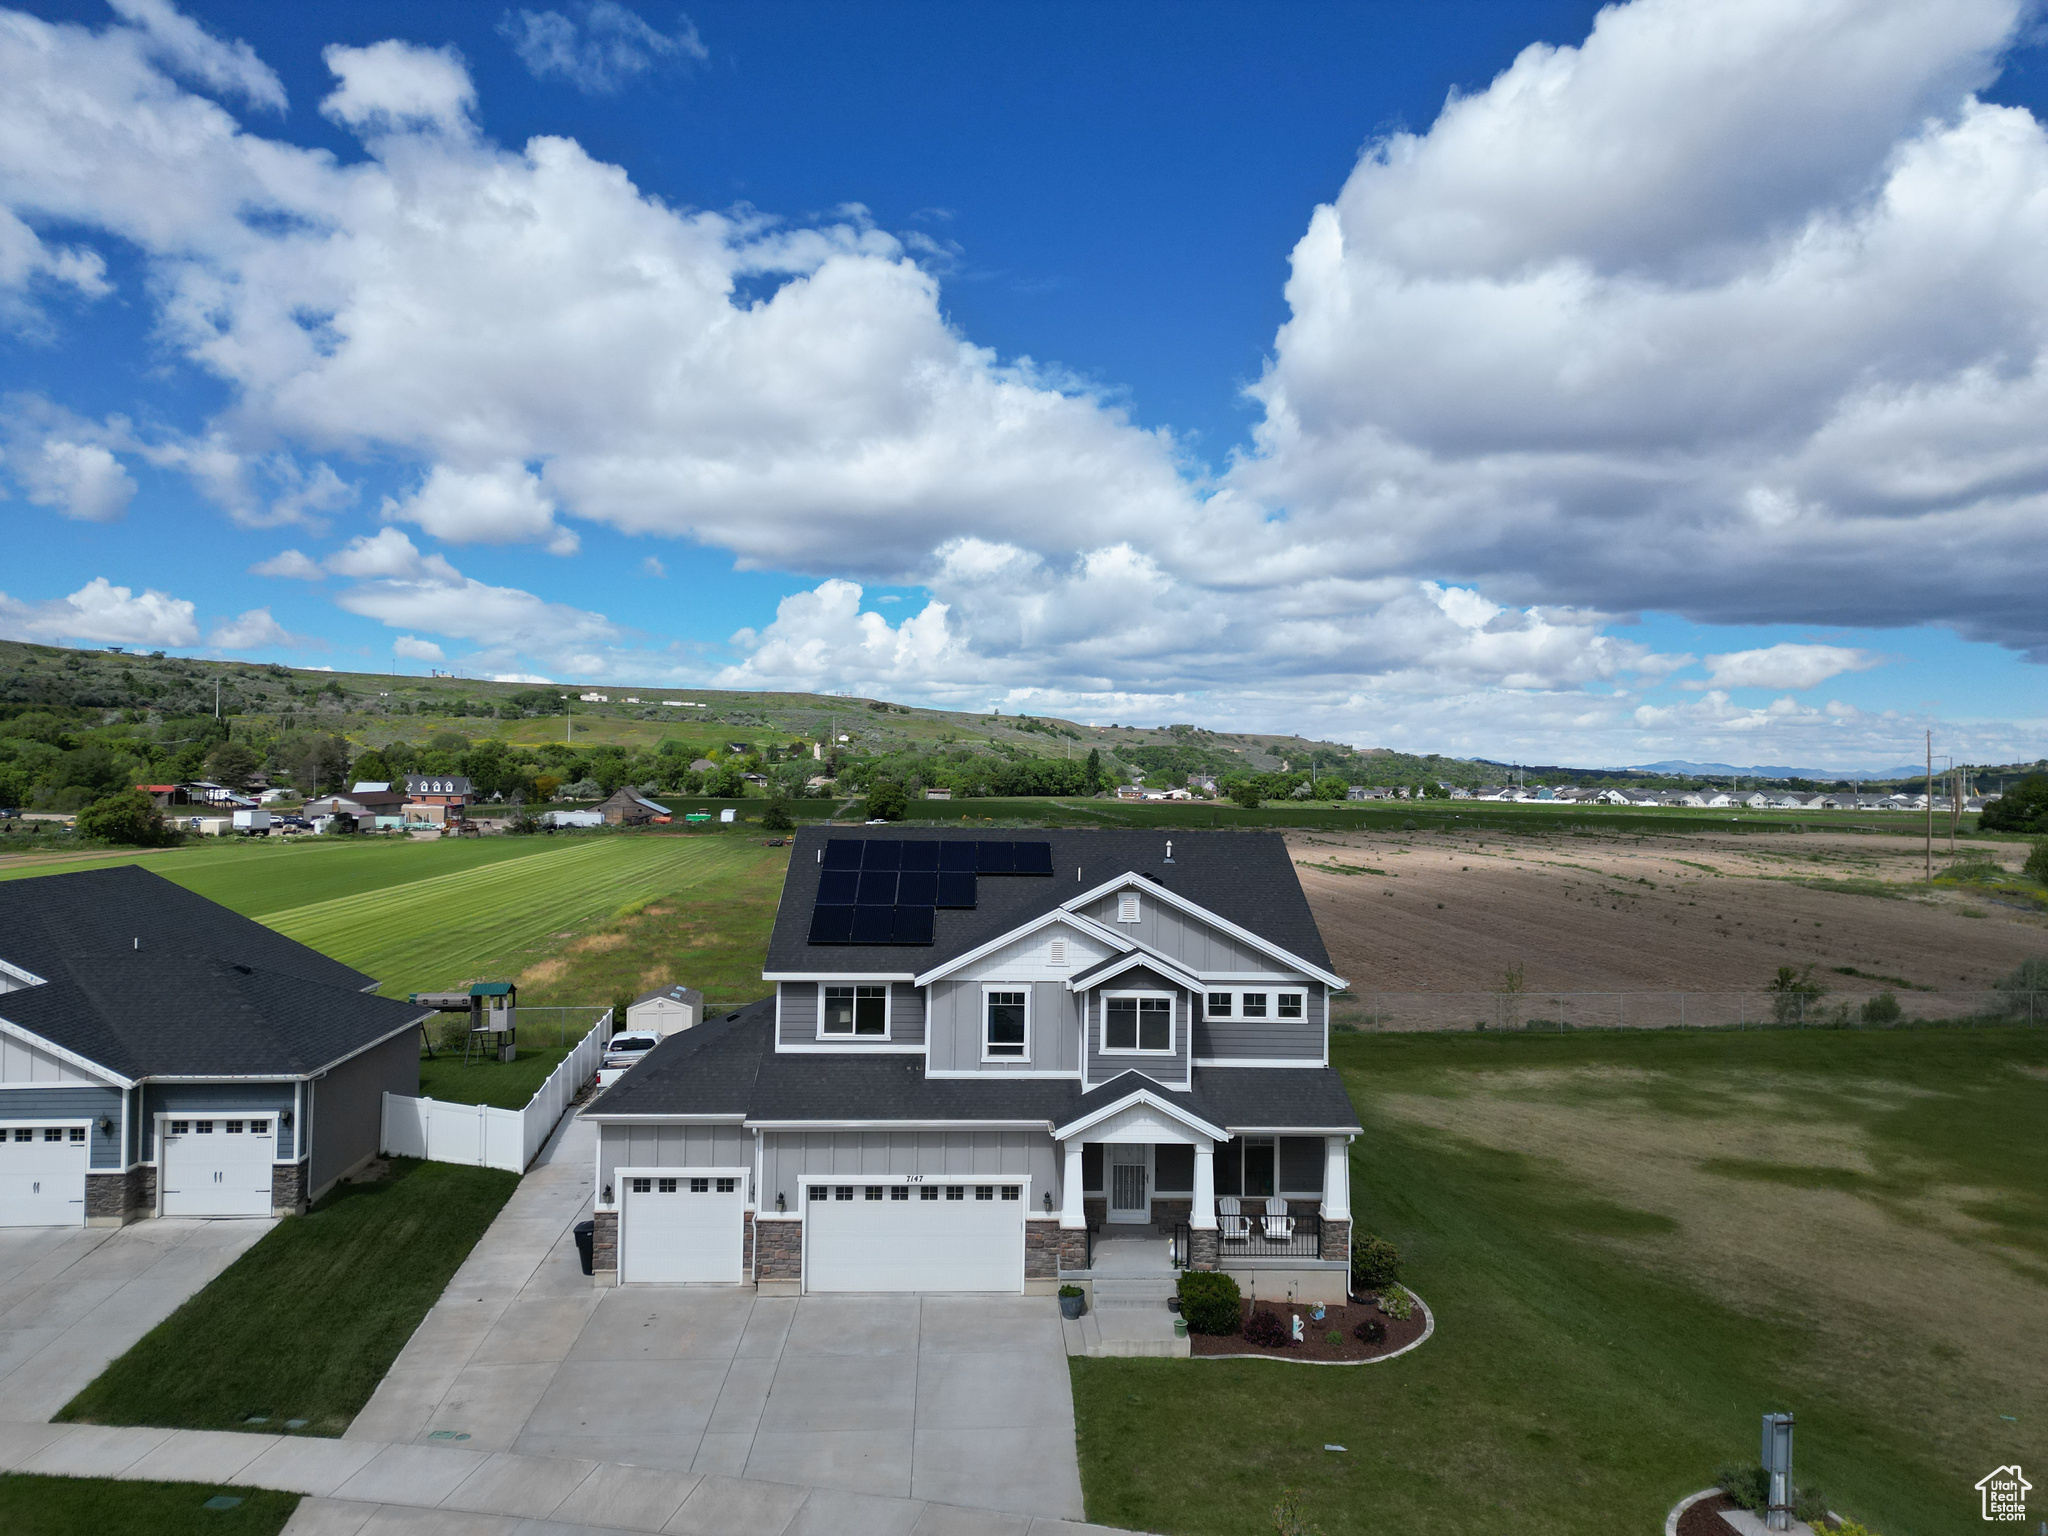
(1140, 1022)
(1005, 1019)
(860, 1010)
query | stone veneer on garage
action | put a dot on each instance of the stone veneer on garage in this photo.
(115, 1199)
(1043, 1243)
(779, 1248)
(288, 1189)
(604, 1248)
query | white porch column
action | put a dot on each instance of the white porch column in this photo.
(1203, 1215)
(1336, 1178)
(1072, 1213)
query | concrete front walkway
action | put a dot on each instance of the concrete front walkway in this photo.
(960, 1400)
(74, 1298)
(359, 1488)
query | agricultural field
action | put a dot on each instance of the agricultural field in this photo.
(574, 919)
(1444, 909)
(1634, 1244)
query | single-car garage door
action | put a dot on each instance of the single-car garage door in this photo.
(217, 1165)
(682, 1225)
(914, 1235)
(42, 1176)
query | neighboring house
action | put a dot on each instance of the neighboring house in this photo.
(666, 1010)
(161, 1055)
(164, 796)
(629, 808)
(938, 794)
(979, 1050)
(437, 797)
(370, 803)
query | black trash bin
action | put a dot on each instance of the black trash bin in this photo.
(586, 1241)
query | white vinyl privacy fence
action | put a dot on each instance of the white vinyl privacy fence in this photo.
(484, 1137)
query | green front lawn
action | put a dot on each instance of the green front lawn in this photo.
(104, 1506)
(305, 1324)
(1635, 1245)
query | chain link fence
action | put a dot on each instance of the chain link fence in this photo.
(1559, 1012)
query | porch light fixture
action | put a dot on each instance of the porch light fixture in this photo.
(1048, 1202)
(781, 1203)
(607, 1194)
(284, 1117)
(106, 1125)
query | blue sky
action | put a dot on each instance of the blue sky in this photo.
(1417, 376)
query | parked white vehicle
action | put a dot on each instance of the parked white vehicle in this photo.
(252, 822)
(621, 1051)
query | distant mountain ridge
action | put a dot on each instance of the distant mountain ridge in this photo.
(1766, 771)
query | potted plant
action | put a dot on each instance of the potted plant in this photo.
(1073, 1301)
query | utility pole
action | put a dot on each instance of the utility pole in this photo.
(1930, 807)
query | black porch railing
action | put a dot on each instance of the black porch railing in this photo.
(1256, 1237)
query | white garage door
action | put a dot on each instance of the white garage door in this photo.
(925, 1235)
(42, 1176)
(217, 1165)
(678, 1226)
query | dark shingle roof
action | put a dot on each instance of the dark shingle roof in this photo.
(1246, 877)
(729, 1066)
(208, 992)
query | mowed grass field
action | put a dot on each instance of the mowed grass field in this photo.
(574, 919)
(1634, 1246)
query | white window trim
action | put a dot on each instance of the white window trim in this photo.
(1271, 993)
(160, 1123)
(1104, 1048)
(888, 1014)
(990, 987)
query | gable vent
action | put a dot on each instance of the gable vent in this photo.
(1127, 908)
(1056, 952)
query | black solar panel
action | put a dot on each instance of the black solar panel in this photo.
(884, 891)
(832, 925)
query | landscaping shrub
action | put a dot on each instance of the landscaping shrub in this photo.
(1375, 1263)
(1748, 1486)
(1209, 1301)
(1881, 1009)
(1371, 1331)
(1072, 1290)
(1397, 1302)
(1809, 1504)
(2036, 867)
(1265, 1329)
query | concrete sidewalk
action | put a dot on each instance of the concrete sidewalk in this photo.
(76, 1298)
(360, 1488)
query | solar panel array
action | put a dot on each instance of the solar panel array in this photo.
(885, 891)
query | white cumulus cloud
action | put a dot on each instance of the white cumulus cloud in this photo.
(610, 46)
(415, 649)
(1785, 666)
(101, 612)
(82, 480)
(251, 631)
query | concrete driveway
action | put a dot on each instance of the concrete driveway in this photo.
(74, 1298)
(959, 1400)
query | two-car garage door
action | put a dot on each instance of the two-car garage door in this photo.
(42, 1176)
(914, 1235)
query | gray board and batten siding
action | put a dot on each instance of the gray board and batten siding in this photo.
(348, 1106)
(799, 1003)
(672, 1146)
(790, 1159)
(272, 1099)
(1172, 1070)
(1186, 940)
(1052, 1035)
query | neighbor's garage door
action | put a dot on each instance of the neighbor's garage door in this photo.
(682, 1225)
(42, 1176)
(217, 1165)
(914, 1237)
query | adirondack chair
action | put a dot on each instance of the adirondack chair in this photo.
(1278, 1223)
(1231, 1218)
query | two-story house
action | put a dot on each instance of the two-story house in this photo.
(983, 1053)
(437, 797)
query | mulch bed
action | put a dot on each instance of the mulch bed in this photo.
(1315, 1344)
(1704, 1518)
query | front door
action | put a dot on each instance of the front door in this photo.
(1130, 1183)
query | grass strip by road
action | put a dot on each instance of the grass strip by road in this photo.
(305, 1324)
(105, 1506)
(1618, 1299)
